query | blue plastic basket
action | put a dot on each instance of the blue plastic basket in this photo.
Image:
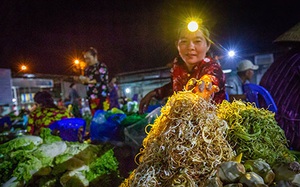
(5, 123)
(70, 129)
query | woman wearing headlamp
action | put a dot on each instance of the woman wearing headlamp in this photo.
(191, 63)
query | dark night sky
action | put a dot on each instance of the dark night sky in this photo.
(130, 34)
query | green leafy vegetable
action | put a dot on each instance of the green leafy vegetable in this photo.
(102, 165)
(48, 161)
(25, 142)
(254, 132)
(48, 137)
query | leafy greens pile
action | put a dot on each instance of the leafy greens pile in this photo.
(254, 132)
(49, 161)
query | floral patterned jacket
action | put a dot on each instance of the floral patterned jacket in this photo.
(98, 72)
(43, 117)
(180, 76)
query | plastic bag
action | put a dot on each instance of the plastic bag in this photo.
(135, 133)
(106, 127)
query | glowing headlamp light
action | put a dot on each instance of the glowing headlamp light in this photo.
(193, 26)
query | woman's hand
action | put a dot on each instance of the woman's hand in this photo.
(203, 87)
(144, 103)
(86, 80)
(83, 79)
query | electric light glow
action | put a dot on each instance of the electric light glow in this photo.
(231, 53)
(193, 26)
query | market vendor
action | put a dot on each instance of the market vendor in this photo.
(96, 79)
(192, 62)
(45, 113)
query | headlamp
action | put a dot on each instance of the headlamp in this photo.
(193, 26)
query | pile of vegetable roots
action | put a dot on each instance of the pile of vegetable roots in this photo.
(184, 146)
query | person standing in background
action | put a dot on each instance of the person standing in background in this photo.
(113, 94)
(96, 79)
(75, 100)
(1, 111)
(245, 72)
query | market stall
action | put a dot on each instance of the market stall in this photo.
(190, 141)
(196, 143)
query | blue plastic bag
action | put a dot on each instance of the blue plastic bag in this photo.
(105, 127)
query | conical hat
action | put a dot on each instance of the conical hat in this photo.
(292, 35)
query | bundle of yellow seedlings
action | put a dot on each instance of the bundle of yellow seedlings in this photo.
(184, 146)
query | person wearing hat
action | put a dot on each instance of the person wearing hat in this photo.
(282, 80)
(245, 72)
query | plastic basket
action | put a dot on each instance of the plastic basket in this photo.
(70, 129)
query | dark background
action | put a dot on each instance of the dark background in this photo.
(47, 35)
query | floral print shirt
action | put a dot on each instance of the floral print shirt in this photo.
(180, 76)
(98, 72)
(43, 117)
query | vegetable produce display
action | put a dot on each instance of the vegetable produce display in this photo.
(184, 146)
(192, 143)
(254, 132)
(255, 173)
(196, 143)
(49, 161)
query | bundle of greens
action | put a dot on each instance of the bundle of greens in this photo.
(254, 132)
(48, 161)
(184, 146)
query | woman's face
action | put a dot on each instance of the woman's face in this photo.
(192, 47)
(89, 58)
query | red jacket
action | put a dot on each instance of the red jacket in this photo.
(180, 76)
